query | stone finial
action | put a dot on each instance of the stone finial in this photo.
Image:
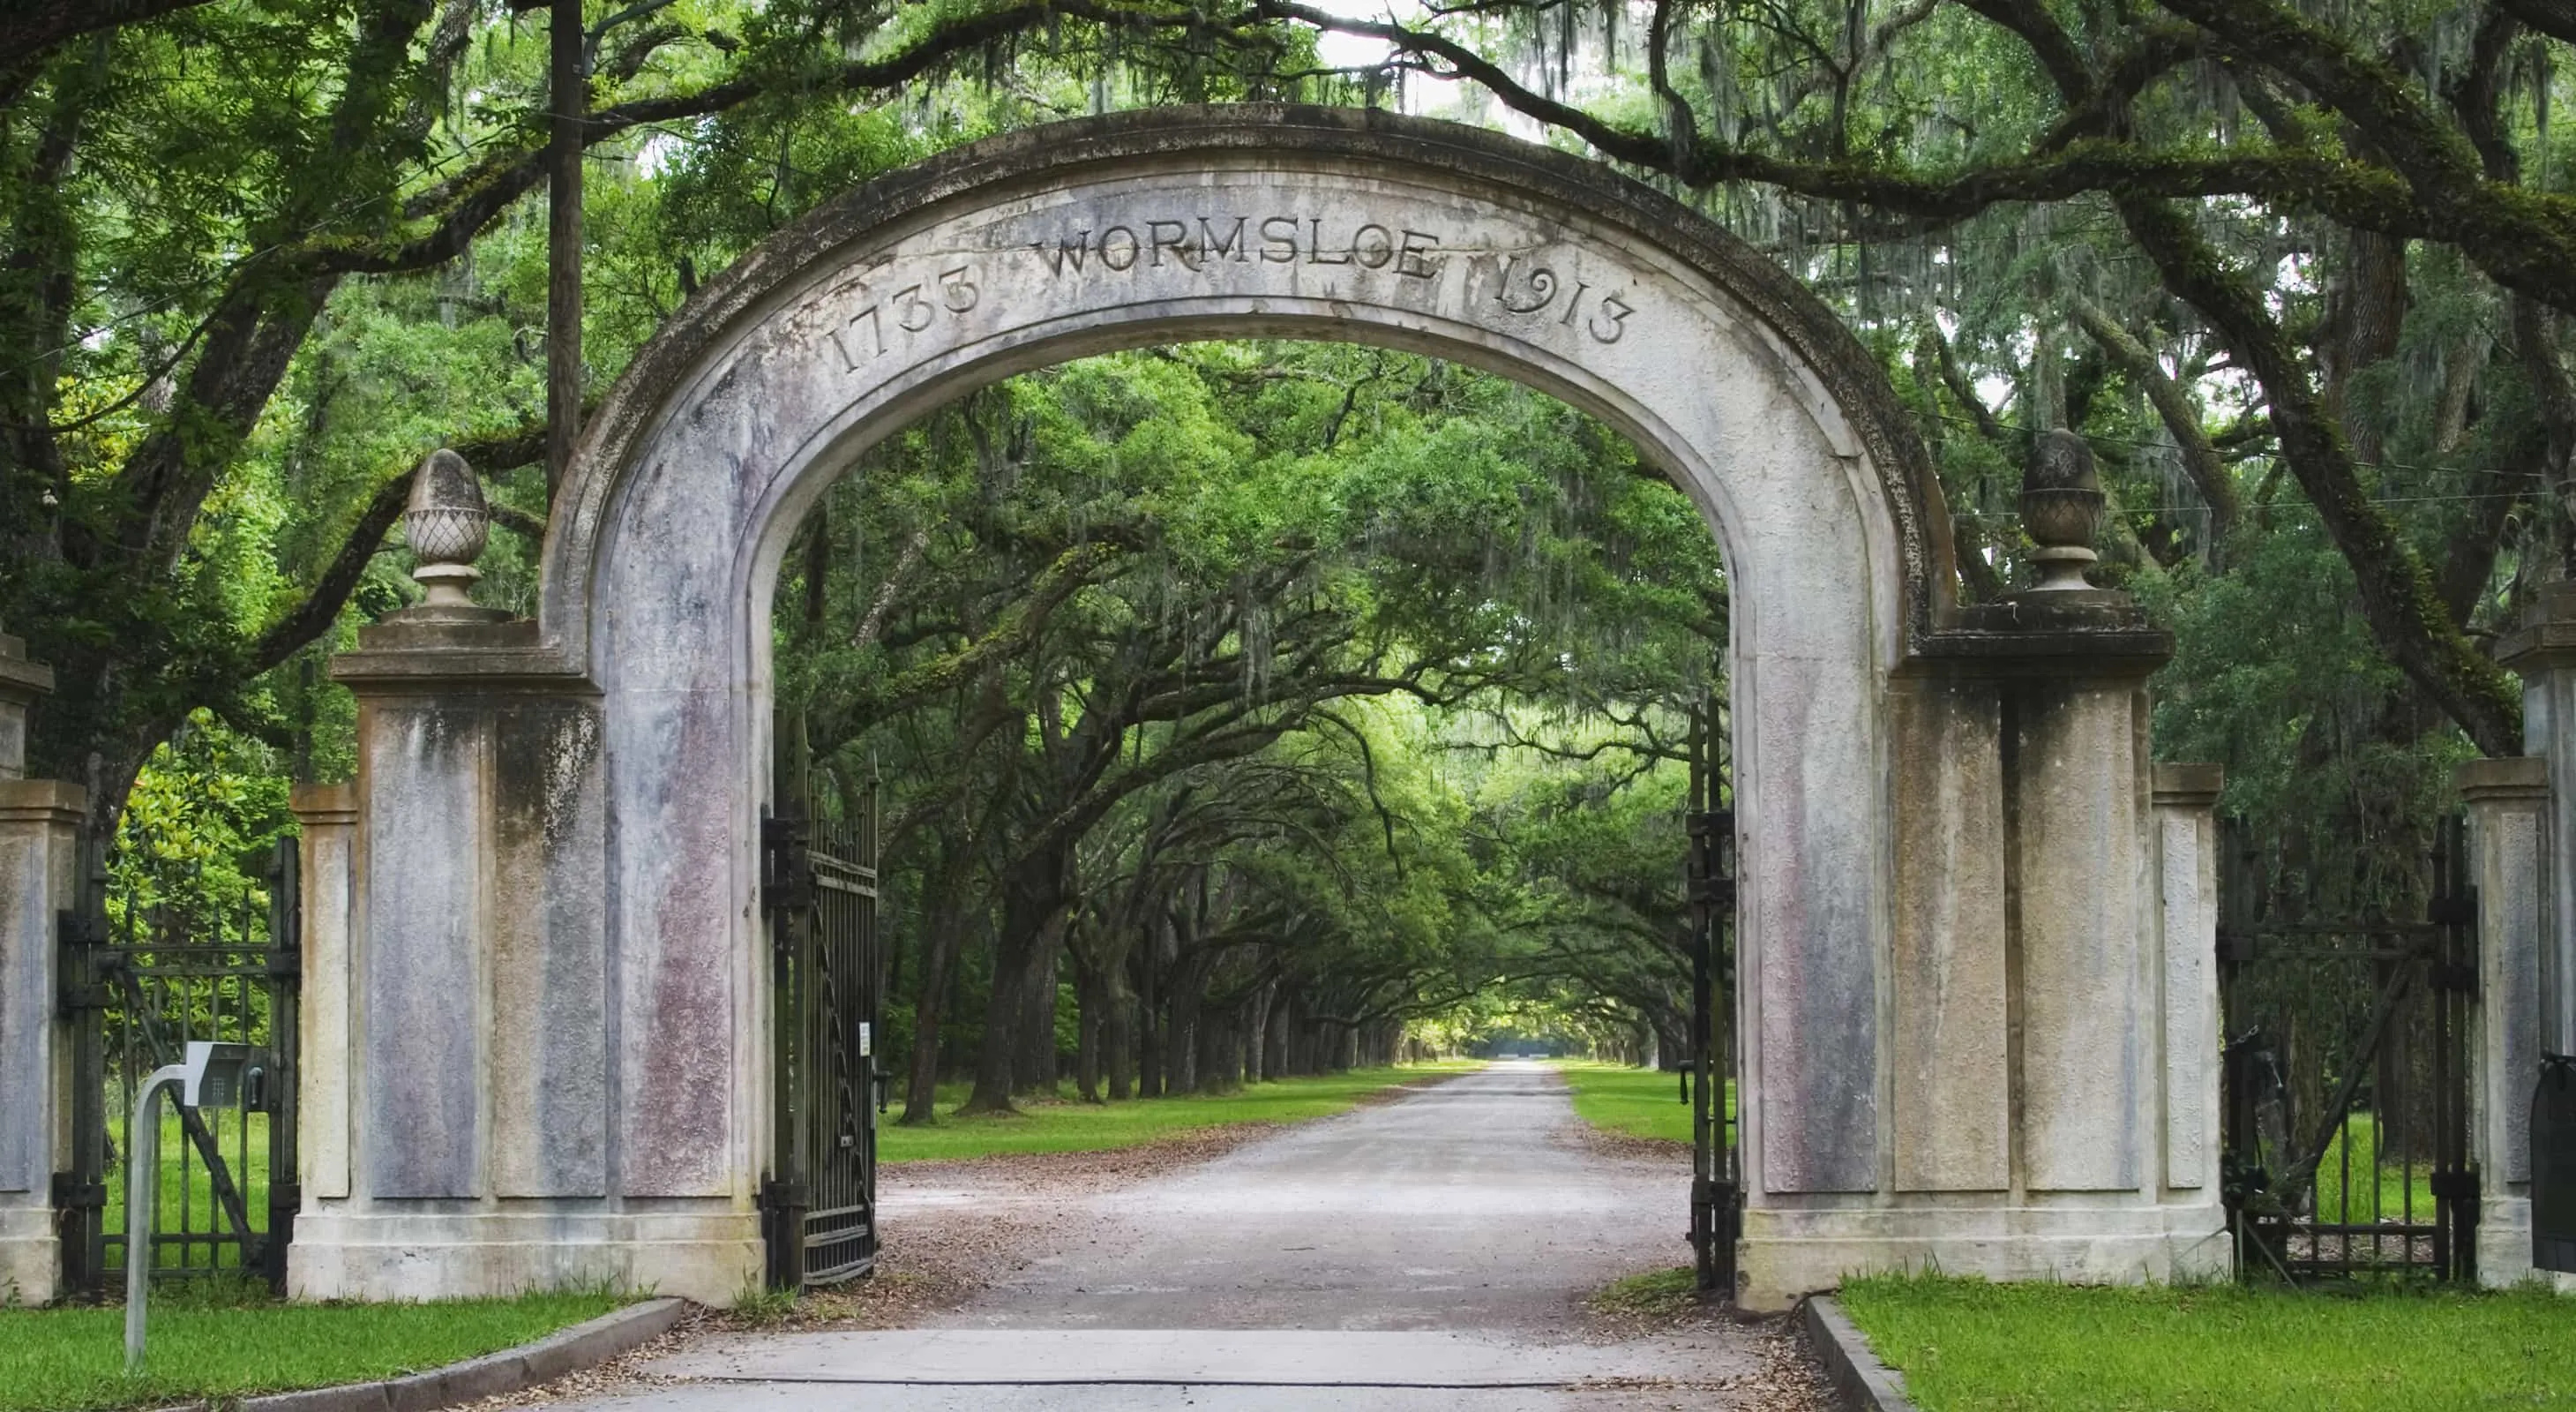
(448, 524)
(2061, 509)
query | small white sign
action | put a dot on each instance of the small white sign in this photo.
(867, 1041)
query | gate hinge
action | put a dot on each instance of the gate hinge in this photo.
(79, 985)
(776, 1195)
(786, 879)
(2458, 1184)
(70, 1193)
(2452, 977)
(2458, 910)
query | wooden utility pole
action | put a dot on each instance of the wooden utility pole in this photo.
(571, 105)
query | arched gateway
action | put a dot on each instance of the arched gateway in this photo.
(1976, 1005)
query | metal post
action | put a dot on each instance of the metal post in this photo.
(143, 1205)
(81, 1191)
(285, 985)
(1711, 1247)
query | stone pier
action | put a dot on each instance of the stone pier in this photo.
(39, 874)
(2522, 835)
(2508, 802)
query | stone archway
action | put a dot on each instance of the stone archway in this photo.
(1966, 1038)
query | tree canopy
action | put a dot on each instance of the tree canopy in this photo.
(1198, 624)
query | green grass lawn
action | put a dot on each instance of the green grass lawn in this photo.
(1044, 1126)
(73, 1359)
(188, 1191)
(2392, 1179)
(1639, 1102)
(1969, 1346)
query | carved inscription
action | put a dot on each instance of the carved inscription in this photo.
(1521, 288)
(1516, 288)
(1535, 295)
(1276, 240)
(906, 311)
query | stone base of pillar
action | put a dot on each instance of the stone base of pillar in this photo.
(2504, 1247)
(31, 1258)
(2105, 1239)
(709, 1252)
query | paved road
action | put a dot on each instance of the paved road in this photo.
(1428, 1253)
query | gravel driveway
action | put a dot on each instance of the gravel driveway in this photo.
(1428, 1253)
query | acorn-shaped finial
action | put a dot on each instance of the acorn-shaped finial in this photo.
(447, 523)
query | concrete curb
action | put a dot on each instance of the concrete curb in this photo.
(1866, 1384)
(511, 1370)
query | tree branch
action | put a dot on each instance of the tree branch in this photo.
(2209, 474)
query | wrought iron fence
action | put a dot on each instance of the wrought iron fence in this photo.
(163, 953)
(2347, 1074)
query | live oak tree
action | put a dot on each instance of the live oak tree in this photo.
(1213, 646)
(201, 199)
(2301, 277)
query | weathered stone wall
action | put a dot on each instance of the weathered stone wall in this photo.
(456, 998)
(2054, 1035)
(2186, 883)
(1952, 1100)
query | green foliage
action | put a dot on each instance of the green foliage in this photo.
(187, 1189)
(200, 827)
(1344, 681)
(72, 1359)
(760, 1307)
(1968, 1346)
(1644, 1103)
(264, 254)
(2277, 679)
(1088, 1127)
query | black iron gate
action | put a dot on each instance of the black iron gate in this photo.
(2347, 1076)
(1717, 1192)
(161, 952)
(820, 887)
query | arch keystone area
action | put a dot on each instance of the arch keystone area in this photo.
(550, 986)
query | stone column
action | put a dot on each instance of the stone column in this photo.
(2510, 803)
(39, 874)
(2186, 800)
(327, 819)
(2543, 650)
(2083, 969)
(2051, 1113)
